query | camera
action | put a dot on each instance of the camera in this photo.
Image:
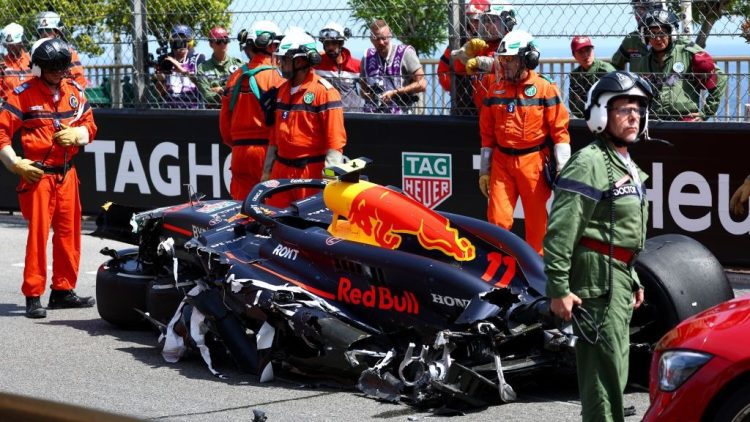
(162, 53)
(400, 100)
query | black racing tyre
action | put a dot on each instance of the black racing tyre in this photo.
(121, 287)
(736, 407)
(680, 278)
(163, 297)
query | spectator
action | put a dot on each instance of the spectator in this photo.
(521, 111)
(49, 24)
(246, 115)
(634, 46)
(175, 72)
(497, 22)
(16, 66)
(445, 70)
(309, 123)
(212, 74)
(392, 76)
(679, 71)
(53, 129)
(596, 229)
(589, 70)
(338, 65)
(476, 55)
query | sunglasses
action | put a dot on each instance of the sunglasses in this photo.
(221, 41)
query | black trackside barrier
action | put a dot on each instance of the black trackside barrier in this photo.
(144, 158)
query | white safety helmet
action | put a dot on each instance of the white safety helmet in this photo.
(264, 33)
(615, 85)
(499, 14)
(332, 31)
(12, 33)
(298, 43)
(520, 43)
(48, 20)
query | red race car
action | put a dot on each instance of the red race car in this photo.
(700, 370)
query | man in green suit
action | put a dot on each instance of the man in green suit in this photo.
(596, 229)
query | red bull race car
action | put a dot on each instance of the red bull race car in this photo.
(362, 284)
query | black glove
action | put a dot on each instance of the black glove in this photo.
(268, 105)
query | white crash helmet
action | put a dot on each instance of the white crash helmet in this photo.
(520, 43)
(332, 31)
(614, 85)
(499, 13)
(12, 33)
(264, 33)
(298, 43)
(48, 20)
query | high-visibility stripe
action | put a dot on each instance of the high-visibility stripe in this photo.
(581, 188)
(336, 75)
(30, 115)
(309, 107)
(523, 102)
(16, 112)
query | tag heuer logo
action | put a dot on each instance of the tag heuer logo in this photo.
(427, 177)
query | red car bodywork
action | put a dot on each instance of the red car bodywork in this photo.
(722, 331)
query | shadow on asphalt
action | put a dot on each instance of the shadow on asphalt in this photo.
(12, 310)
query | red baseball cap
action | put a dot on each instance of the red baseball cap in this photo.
(579, 43)
(218, 33)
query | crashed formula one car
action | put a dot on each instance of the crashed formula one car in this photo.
(364, 285)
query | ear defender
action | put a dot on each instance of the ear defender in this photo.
(242, 36)
(314, 57)
(264, 39)
(531, 58)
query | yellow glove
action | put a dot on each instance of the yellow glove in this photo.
(484, 185)
(66, 136)
(475, 46)
(25, 168)
(472, 66)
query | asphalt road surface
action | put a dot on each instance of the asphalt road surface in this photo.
(74, 357)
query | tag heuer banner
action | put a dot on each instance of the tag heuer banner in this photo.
(426, 177)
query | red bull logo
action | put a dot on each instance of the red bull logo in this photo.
(381, 298)
(382, 216)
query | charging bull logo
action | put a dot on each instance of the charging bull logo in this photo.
(383, 215)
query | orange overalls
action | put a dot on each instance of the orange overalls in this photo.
(76, 69)
(54, 200)
(244, 128)
(478, 81)
(308, 124)
(516, 121)
(14, 72)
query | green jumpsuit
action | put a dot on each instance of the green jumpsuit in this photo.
(582, 208)
(214, 74)
(580, 83)
(677, 83)
(631, 49)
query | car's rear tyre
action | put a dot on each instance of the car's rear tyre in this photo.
(680, 278)
(121, 287)
(164, 297)
(736, 407)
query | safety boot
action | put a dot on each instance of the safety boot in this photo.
(34, 308)
(59, 299)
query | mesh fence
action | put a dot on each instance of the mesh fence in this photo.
(122, 43)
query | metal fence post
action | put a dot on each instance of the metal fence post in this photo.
(140, 51)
